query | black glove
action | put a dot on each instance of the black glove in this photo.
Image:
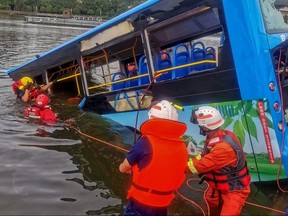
(37, 86)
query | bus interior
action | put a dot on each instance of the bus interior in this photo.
(192, 47)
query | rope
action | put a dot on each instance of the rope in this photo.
(99, 140)
(264, 207)
(191, 201)
(282, 107)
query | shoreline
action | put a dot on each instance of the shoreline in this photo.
(55, 19)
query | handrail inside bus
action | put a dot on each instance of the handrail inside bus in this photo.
(159, 72)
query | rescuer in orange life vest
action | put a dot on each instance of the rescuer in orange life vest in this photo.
(27, 90)
(157, 160)
(41, 110)
(222, 164)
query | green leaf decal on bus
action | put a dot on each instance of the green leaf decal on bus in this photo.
(250, 127)
(238, 129)
(227, 122)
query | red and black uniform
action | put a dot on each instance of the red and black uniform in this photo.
(45, 114)
(225, 170)
(19, 90)
(155, 182)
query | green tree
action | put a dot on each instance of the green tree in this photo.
(103, 8)
(33, 4)
(20, 5)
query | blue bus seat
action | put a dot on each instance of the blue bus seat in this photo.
(143, 69)
(118, 76)
(163, 62)
(210, 55)
(198, 53)
(133, 82)
(181, 56)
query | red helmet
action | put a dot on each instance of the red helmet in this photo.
(42, 100)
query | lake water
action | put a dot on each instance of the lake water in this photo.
(55, 170)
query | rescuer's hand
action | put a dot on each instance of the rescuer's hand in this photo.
(28, 85)
(193, 150)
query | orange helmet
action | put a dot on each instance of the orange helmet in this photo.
(42, 100)
(207, 117)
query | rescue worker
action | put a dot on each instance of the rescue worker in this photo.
(223, 164)
(158, 161)
(27, 90)
(41, 110)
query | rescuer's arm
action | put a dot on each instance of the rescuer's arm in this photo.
(25, 97)
(125, 167)
(220, 156)
(47, 86)
(139, 155)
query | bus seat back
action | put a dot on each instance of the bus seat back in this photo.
(133, 82)
(143, 69)
(210, 55)
(181, 56)
(198, 53)
(163, 62)
(118, 76)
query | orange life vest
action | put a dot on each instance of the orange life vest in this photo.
(18, 86)
(32, 112)
(45, 114)
(154, 184)
(229, 178)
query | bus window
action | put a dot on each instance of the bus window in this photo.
(275, 21)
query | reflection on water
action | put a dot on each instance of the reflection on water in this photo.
(22, 41)
(54, 170)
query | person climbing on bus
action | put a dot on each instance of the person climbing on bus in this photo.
(27, 90)
(222, 164)
(158, 162)
(41, 110)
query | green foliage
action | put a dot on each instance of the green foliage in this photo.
(266, 170)
(227, 122)
(242, 114)
(238, 129)
(252, 127)
(103, 8)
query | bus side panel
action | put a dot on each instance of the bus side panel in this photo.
(251, 52)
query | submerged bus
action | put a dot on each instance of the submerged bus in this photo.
(229, 54)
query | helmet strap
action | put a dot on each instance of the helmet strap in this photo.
(202, 132)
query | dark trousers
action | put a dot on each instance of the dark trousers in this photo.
(134, 208)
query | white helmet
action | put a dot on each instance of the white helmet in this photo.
(208, 117)
(164, 109)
